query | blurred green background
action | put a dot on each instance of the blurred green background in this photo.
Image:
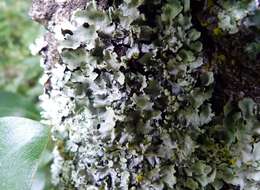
(19, 70)
(20, 73)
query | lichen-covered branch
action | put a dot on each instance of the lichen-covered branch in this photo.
(129, 90)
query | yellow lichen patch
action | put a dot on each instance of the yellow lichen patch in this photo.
(204, 23)
(221, 57)
(210, 3)
(232, 162)
(136, 55)
(139, 178)
(217, 31)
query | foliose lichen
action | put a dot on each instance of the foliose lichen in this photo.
(128, 96)
(233, 14)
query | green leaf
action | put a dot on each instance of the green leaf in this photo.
(22, 142)
(42, 179)
(15, 105)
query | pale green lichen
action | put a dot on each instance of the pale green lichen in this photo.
(233, 13)
(130, 105)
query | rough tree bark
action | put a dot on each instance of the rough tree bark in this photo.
(140, 94)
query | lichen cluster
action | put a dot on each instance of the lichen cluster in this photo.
(129, 99)
(228, 16)
(233, 14)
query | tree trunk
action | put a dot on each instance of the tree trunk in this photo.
(136, 102)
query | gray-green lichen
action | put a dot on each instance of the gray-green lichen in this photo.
(128, 97)
(233, 14)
